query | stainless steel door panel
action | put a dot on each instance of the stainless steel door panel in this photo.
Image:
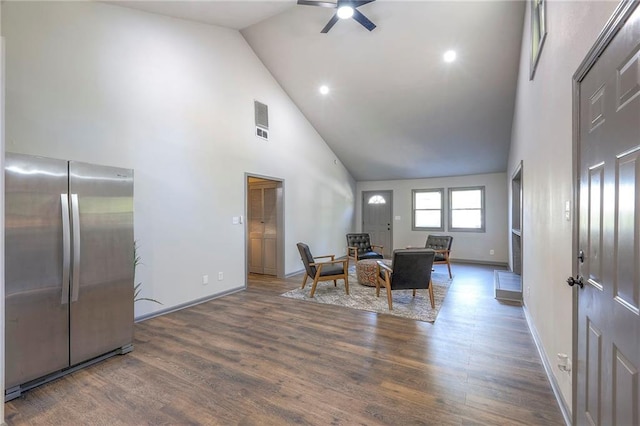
(36, 320)
(102, 316)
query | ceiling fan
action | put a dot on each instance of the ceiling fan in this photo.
(345, 9)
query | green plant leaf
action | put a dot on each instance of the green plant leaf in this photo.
(137, 288)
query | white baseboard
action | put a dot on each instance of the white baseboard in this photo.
(564, 408)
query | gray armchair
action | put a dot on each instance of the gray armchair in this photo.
(411, 270)
(359, 247)
(442, 246)
(331, 270)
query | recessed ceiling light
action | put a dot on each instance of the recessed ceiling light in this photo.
(324, 89)
(345, 12)
(449, 56)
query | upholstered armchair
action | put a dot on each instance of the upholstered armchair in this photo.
(410, 270)
(359, 247)
(442, 246)
(330, 270)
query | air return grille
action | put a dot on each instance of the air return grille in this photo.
(262, 120)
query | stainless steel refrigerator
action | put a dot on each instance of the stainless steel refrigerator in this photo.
(68, 267)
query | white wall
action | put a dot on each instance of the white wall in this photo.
(473, 246)
(542, 139)
(173, 100)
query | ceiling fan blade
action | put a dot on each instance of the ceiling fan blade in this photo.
(330, 24)
(359, 3)
(318, 3)
(358, 16)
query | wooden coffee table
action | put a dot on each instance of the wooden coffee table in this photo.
(367, 270)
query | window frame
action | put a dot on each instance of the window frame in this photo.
(413, 209)
(483, 215)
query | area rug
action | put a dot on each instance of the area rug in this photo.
(364, 298)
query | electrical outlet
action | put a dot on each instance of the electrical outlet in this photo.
(492, 252)
(205, 279)
(220, 276)
(564, 363)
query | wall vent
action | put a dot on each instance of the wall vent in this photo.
(262, 120)
(262, 133)
(262, 115)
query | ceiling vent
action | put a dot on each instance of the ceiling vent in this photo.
(262, 120)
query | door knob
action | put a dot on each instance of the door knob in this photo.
(573, 281)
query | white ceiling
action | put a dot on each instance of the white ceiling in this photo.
(396, 110)
(236, 14)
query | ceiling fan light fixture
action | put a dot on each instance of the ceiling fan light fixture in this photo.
(449, 56)
(345, 9)
(345, 12)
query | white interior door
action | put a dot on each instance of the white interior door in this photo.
(608, 314)
(376, 218)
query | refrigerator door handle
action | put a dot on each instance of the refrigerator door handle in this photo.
(66, 248)
(75, 219)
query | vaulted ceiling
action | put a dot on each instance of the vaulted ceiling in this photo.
(395, 109)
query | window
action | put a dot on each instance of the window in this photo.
(377, 199)
(466, 209)
(428, 212)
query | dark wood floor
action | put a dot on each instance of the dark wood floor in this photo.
(255, 358)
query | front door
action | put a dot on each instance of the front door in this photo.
(376, 218)
(608, 316)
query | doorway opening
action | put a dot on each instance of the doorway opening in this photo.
(508, 284)
(265, 225)
(516, 221)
